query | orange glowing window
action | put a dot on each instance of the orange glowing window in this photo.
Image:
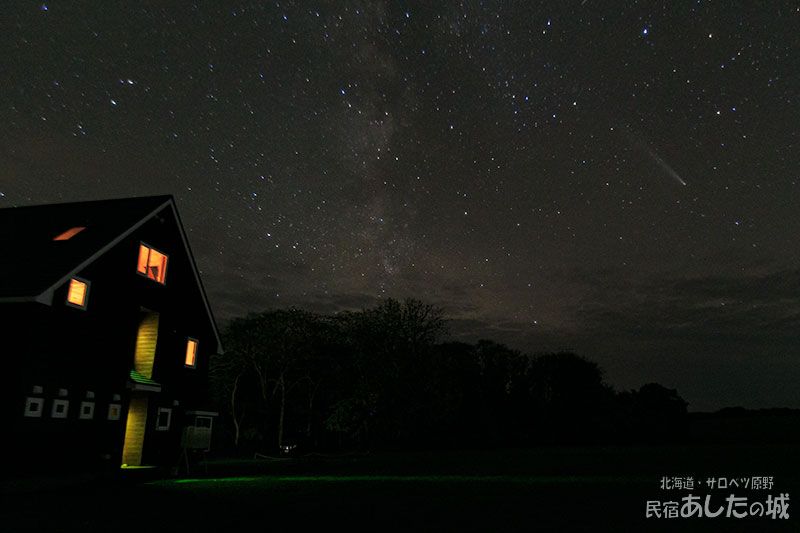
(70, 233)
(78, 290)
(191, 353)
(152, 263)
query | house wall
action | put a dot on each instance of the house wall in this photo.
(92, 351)
(64, 349)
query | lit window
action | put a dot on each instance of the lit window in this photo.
(163, 420)
(114, 410)
(191, 353)
(152, 263)
(78, 291)
(70, 233)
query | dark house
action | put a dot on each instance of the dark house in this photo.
(106, 335)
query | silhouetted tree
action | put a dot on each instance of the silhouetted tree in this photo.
(389, 346)
(567, 392)
(501, 372)
(379, 377)
(276, 349)
(228, 376)
(451, 390)
(657, 412)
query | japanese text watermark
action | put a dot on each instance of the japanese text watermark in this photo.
(749, 500)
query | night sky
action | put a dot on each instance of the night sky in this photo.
(618, 179)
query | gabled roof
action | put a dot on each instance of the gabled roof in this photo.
(33, 265)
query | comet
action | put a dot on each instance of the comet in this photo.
(665, 167)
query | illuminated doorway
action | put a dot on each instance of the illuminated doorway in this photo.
(134, 431)
(144, 357)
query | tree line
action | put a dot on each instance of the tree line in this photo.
(384, 378)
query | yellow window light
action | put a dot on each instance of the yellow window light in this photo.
(144, 254)
(70, 233)
(191, 353)
(152, 263)
(76, 295)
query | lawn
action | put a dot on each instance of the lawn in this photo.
(545, 489)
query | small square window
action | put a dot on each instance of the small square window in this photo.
(191, 353)
(87, 411)
(152, 263)
(114, 411)
(60, 409)
(34, 407)
(164, 418)
(78, 293)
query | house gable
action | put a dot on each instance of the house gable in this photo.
(99, 348)
(45, 261)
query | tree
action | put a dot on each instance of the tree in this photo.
(227, 375)
(276, 350)
(388, 348)
(657, 401)
(657, 411)
(567, 392)
(502, 372)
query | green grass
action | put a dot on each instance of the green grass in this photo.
(545, 489)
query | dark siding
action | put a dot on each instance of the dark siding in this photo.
(61, 347)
